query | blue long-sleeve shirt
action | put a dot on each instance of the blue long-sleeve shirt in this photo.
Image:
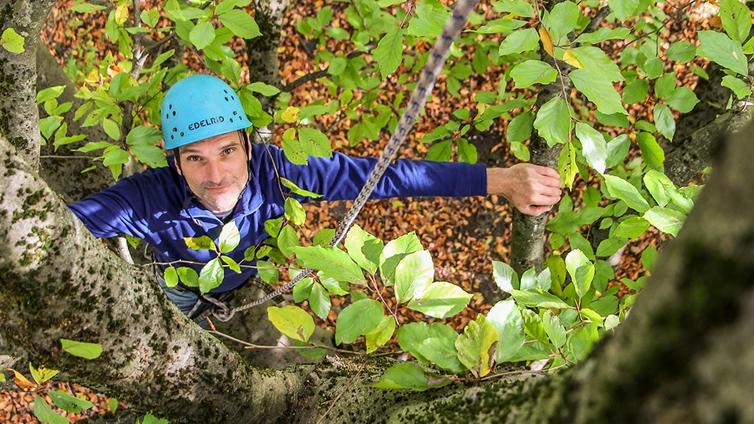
(158, 207)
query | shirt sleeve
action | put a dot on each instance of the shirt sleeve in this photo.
(114, 211)
(341, 177)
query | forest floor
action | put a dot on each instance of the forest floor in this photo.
(463, 235)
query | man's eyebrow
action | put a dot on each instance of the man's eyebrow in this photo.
(188, 150)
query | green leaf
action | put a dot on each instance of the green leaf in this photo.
(514, 7)
(653, 67)
(150, 17)
(292, 321)
(200, 243)
(683, 99)
(380, 335)
(111, 129)
(406, 375)
(665, 85)
(45, 414)
(539, 299)
(302, 289)
(505, 276)
(268, 272)
(239, 23)
(722, 50)
(12, 41)
(429, 19)
(664, 121)
(736, 19)
(617, 149)
(520, 151)
(554, 329)
(635, 91)
(509, 323)
(69, 403)
(263, 89)
(50, 93)
(141, 135)
(466, 151)
(297, 190)
(579, 344)
(42, 374)
(598, 63)
(599, 90)
(665, 219)
(623, 190)
(651, 150)
(288, 241)
(609, 246)
(202, 35)
(681, 51)
(501, 26)
(581, 271)
(561, 20)
(440, 151)
(624, 9)
(411, 336)
(294, 211)
(593, 146)
(357, 319)
(355, 241)
(567, 164)
(314, 142)
(603, 34)
(232, 264)
(441, 300)
(112, 405)
(81, 6)
(553, 121)
(211, 275)
(82, 349)
(413, 275)
(519, 41)
(229, 237)
(394, 251)
(519, 128)
(649, 257)
(171, 276)
(189, 277)
(631, 227)
(333, 261)
(474, 345)
(319, 301)
(389, 51)
(533, 72)
(737, 86)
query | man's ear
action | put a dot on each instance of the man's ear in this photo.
(177, 165)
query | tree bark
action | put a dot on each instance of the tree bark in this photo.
(18, 109)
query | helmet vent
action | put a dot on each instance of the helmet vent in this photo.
(231, 120)
(172, 137)
(173, 113)
(235, 112)
(175, 129)
(181, 133)
(170, 107)
(226, 99)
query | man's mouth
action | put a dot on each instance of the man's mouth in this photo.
(216, 189)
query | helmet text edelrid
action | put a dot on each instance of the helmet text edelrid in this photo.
(205, 123)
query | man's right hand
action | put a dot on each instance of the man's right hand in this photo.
(532, 189)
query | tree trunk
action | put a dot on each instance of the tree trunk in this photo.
(18, 109)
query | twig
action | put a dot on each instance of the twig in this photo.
(377, 289)
(64, 157)
(319, 74)
(250, 345)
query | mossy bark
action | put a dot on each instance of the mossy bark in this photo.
(18, 109)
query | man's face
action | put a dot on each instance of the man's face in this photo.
(215, 170)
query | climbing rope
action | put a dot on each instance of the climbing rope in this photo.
(427, 79)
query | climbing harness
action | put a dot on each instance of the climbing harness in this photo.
(429, 74)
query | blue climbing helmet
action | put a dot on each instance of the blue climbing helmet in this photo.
(199, 107)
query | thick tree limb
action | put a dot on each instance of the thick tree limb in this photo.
(18, 108)
(57, 281)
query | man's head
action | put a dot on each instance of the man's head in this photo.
(203, 123)
(216, 169)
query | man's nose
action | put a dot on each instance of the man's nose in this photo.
(213, 173)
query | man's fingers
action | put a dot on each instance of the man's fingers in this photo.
(549, 191)
(544, 200)
(547, 171)
(533, 210)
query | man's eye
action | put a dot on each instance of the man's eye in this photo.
(229, 150)
(193, 158)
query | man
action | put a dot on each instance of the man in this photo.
(216, 176)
